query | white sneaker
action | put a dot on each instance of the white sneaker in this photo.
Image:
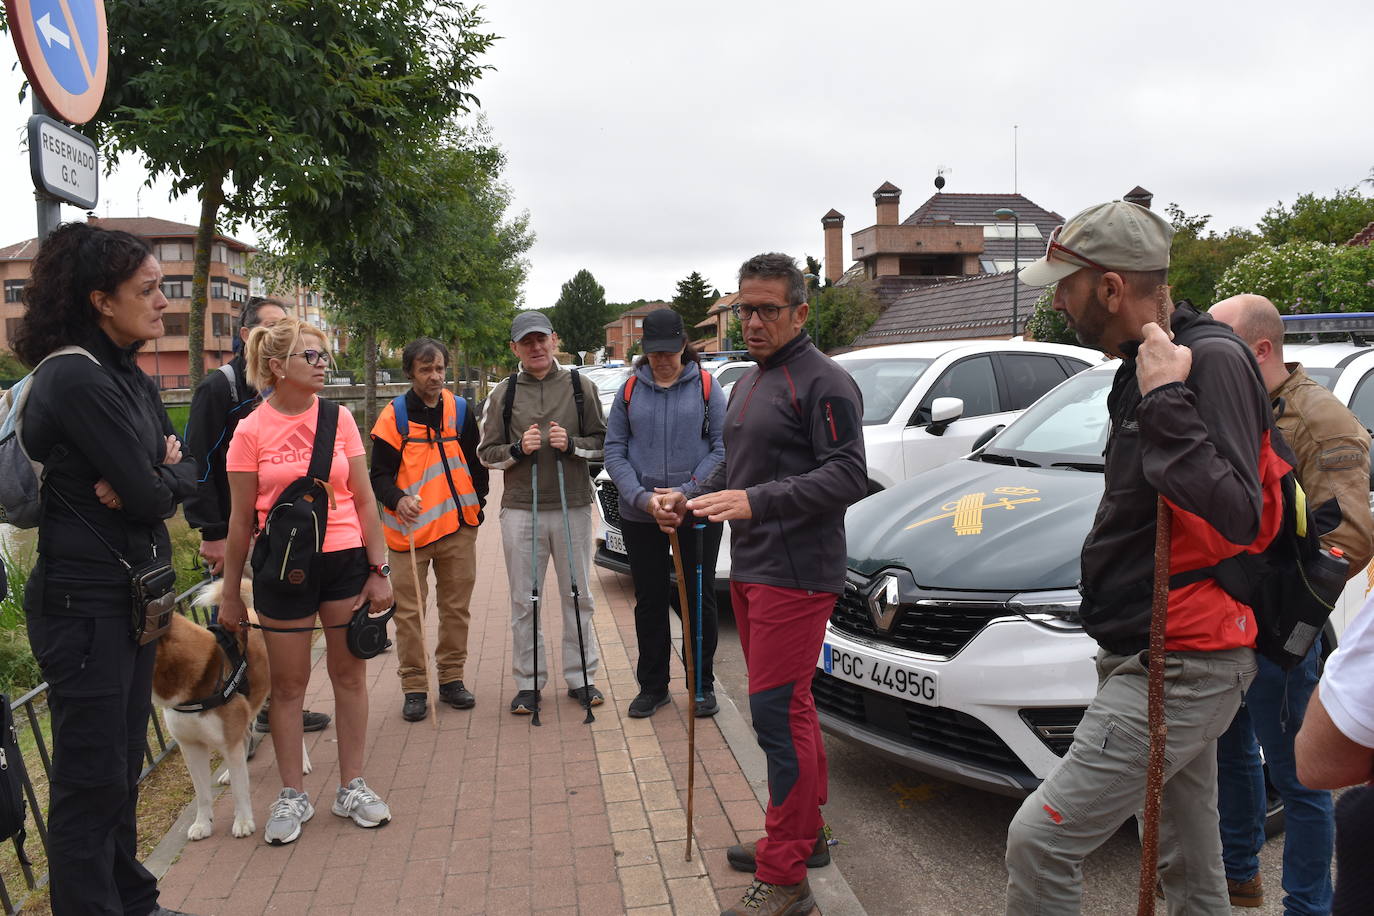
(285, 817)
(357, 801)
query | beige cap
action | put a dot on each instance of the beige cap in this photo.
(1113, 236)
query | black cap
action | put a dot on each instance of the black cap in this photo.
(663, 332)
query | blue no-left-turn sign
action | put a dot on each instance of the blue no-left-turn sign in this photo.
(62, 47)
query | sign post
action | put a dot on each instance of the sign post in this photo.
(64, 51)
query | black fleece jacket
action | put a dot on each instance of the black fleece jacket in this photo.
(794, 442)
(215, 413)
(87, 423)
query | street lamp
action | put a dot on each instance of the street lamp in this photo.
(1004, 214)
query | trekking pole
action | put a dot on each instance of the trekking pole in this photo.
(700, 528)
(577, 608)
(424, 652)
(691, 686)
(534, 580)
(1154, 773)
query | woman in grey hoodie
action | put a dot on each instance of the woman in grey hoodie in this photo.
(664, 431)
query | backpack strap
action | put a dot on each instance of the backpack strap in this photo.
(579, 398)
(322, 451)
(228, 370)
(629, 387)
(508, 404)
(402, 414)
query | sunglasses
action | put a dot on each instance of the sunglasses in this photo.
(314, 357)
(766, 312)
(1071, 255)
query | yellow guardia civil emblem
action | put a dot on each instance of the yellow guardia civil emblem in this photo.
(967, 511)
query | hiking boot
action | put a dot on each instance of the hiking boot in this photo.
(357, 801)
(415, 707)
(285, 817)
(1246, 893)
(763, 899)
(647, 703)
(580, 694)
(456, 695)
(525, 702)
(310, 721)
(707, 705)
(741, 858)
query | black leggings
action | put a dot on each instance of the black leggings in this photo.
(650, 564)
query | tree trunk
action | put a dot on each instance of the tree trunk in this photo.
(212, 197)
(370, 376)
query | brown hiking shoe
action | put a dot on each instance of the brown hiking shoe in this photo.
(763, 899)
(1246, 893)
(741, 858)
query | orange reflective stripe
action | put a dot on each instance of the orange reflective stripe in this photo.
(422, 474)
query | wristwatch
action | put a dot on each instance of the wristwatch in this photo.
(383, 570)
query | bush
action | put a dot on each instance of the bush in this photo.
(18, 670)
(1045, 324)
(1275, 272)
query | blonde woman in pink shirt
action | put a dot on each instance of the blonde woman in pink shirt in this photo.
(271, 449)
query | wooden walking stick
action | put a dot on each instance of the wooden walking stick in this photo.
(424, 652)
(1159, 615)
(687, 650)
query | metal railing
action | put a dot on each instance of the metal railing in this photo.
(34, 707)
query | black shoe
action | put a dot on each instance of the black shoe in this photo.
(741, 858)
(386, 646)
(707, 705)
(456, 695)
(415, 708)
(163, 911)
(647, 703)
(581, 693)
(310, 721)
(525, 702)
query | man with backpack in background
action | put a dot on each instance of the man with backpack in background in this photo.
(425, 474)
(539, 416)
(220, 401)
(1332, 449)
(1189, 423)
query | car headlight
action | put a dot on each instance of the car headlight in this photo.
(1055, 610)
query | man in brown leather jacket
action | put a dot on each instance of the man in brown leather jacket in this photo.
(1332, 448)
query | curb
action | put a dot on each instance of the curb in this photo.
(834, 897)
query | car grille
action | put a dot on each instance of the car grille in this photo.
(609, 497)
(941, 631)
(947, 733)
(1054, 725)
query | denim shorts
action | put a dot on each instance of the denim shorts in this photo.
(342, 575)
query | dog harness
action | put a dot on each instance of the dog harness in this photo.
(225, 688)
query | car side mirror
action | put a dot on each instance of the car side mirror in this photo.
(944, 411)
(986, 436)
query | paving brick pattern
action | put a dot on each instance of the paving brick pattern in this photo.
(491, 815)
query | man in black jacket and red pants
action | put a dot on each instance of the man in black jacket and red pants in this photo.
(794, 461)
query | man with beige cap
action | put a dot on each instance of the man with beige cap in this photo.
(1189, 423)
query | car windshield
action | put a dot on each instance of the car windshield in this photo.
(1065, 428)
(1323, 376)
(884, 383)
(606, 377)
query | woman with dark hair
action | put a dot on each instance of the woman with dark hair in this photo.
(114, 472)
(664, 432)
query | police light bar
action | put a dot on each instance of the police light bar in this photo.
(1336, 322)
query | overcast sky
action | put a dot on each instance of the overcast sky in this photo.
(651, 139)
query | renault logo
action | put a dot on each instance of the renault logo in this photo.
(883, 601)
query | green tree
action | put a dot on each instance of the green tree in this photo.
(1332, 219)
(259, 106)
(1199, 257)
(1275, 272)
(1344, 284)
(839, 314)
(579, 316)
(692, 299)
(1047, 325)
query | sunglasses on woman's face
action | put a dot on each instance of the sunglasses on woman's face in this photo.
(314, 357)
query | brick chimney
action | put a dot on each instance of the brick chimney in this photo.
(1138, 195)
(887, 197)
(833, 223)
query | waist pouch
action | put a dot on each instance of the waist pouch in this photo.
(154, 597)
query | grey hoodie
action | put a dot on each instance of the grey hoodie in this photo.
(659, 441)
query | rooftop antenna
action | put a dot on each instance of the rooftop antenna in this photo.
(138, 201)
(1014, 175)
(940, 173)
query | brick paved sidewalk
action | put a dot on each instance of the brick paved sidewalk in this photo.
(491, 815)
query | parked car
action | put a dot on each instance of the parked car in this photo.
(956, 647)
(924, 405)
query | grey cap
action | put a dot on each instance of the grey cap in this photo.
(1113, 236)
(530, 322)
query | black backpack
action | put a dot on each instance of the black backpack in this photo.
(1293, 584)
(508, 402)
(12, 805)
(286, 555)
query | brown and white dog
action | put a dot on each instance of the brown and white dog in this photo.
(190, 666)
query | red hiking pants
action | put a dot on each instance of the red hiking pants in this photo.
(781, 631)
